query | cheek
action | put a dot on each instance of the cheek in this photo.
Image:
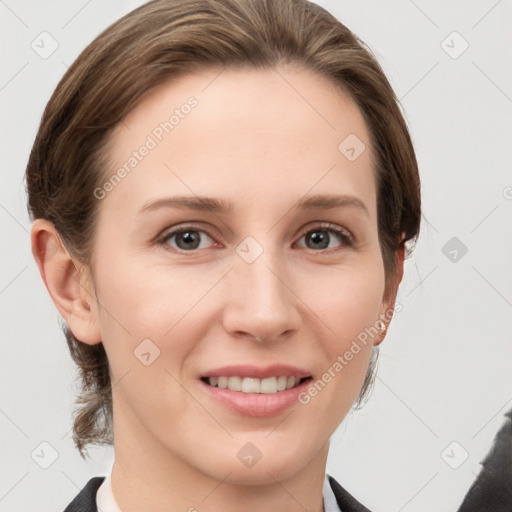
(350, 310)
(151, 299)
(348, 302)
(144, 311)
(160, 303)
(357, 307)
(347, 299)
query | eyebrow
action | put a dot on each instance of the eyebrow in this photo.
(218, 206)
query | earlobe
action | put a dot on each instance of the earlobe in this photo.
(71, 293)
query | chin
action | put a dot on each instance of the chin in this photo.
(260, 461)
(261, 473)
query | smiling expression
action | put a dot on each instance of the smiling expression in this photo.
(244, 239)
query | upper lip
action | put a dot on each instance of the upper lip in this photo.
(245, 370)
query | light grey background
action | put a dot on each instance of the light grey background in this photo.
(445, 366)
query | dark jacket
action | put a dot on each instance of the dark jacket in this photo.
(492, 490)
(85, 500)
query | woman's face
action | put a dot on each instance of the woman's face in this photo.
(263, 284)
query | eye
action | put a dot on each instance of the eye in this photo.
(186, 239)
(326, 237)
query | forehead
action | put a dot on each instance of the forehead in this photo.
(253, 134)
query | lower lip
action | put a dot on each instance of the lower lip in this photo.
(256, 404)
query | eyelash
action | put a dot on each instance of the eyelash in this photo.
(343, 236)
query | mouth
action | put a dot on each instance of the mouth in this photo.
(252, 385)
(255, 391)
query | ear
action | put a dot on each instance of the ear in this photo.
(66, 282)
(389, 299)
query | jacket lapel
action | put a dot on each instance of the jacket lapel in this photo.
(346, 501)
(85, 500)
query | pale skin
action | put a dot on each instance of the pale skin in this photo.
(252, 141)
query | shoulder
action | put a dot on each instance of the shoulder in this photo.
(85, 500)
(346, 501)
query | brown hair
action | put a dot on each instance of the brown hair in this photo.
(158, 41)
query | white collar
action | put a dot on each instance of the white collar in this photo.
(105, 500)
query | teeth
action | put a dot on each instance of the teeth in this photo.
(268, 385)
(281, 383)
(251, 385)
(235, 383)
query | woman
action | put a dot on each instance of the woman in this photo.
(222, 193)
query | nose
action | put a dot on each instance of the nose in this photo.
(261, 304)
